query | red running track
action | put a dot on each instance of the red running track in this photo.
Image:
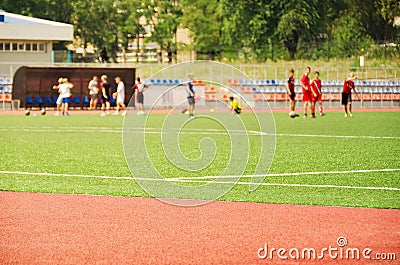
(82, 229)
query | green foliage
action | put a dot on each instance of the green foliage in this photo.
(255, 30)
(203, 19)
(349, 36)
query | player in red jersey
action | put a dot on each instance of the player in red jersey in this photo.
(348, 86)
(307, 93)
(292, 94)
(316, 87)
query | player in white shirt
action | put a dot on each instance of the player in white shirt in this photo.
(65, 93)
(94, 88)
(120, 96)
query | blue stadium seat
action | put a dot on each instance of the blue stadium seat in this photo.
(39, 100)
(273, 82)
(255, 90)
(29, 100)
(113, 102)
(152, 81)
(47, 100)
(177, 82)
(76, 100)
(1, 89)
(165, 82)
(85, 100)
(158, 82)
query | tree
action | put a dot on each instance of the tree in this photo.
(203, 19)
(166, 19)
(297, 21)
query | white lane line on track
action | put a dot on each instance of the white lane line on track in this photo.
(203, 181)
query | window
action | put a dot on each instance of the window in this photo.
(34, 47)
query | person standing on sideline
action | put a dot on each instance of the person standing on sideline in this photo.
(93, 92)
(291, 92)
(139, 86)
(65, 93)
(120, 96)
(348, 86)
(105, 95)
(307, 95)
(190, 96)
(316, 87)
(58, 102)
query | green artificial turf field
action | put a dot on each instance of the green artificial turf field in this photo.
(327, 161)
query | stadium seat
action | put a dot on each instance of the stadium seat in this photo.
(325, 90)
(2, 80)
(1, 89)
(39, 101)
(29, 102)
(176, 82)
(210, 97)
(7, 97)
(76, 100)
(210, 90)
(47, 101)
(152, 81)
(225, 97)
(258, 97)
(8, 89)
(326, 97)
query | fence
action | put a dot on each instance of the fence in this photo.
(378, 86)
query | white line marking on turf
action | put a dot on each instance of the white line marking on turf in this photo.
(296, 174)
(204, 181)
(185, 131)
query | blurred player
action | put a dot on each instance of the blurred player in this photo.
(190, 96)
(139, 86)
(292, 94)
(120, 96)
(105, 95)
(93, 92)
(65, 93)
(58, 102)
(316, 87)
(348, 86)
(235, 105)
(307, 94)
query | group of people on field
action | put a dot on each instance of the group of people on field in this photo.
(99, 91)
(312, 93)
